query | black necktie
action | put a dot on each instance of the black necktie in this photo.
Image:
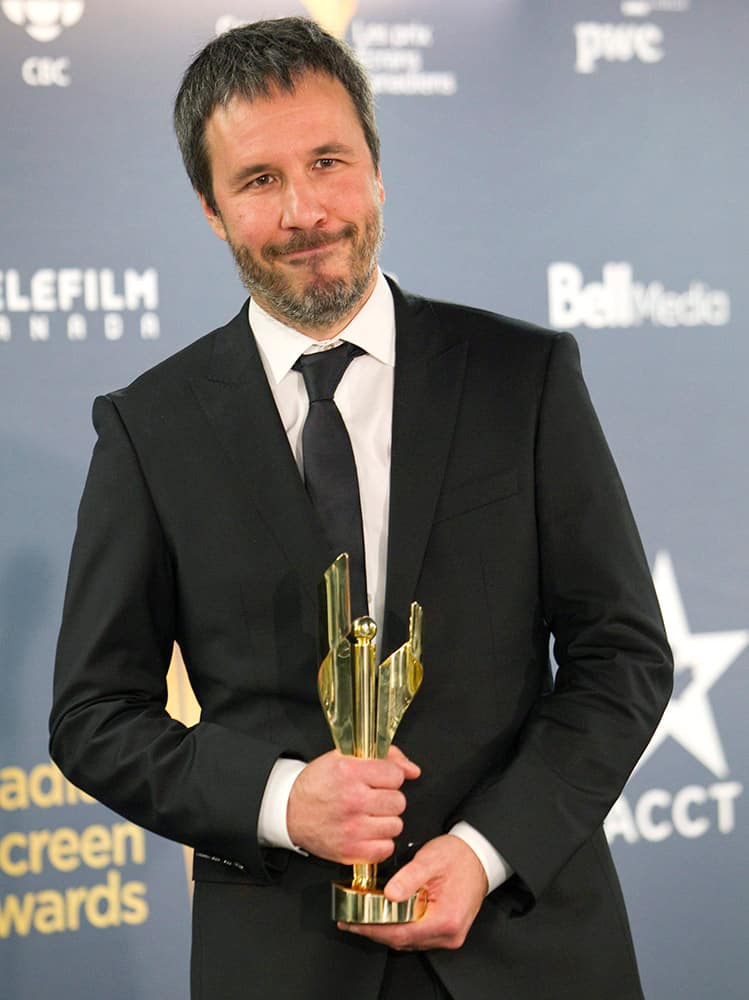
(329, 467)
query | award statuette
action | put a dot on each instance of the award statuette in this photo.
(364, 705)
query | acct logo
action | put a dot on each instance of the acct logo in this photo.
(620, 301)
(633, 41)
(43, 20)
(700, 660)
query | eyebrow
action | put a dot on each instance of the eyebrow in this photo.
(257, 169)
(332, 147)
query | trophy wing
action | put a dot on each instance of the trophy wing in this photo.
(334, 679)
(398, 679)
(335, 689)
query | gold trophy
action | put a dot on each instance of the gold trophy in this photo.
(364, 705)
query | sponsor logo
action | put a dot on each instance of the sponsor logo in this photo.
(394, 53)
(40, 71)
(618, 301)
(43, 20)
(700, 660)
(73, 303)
(333, 15)
(624, 41)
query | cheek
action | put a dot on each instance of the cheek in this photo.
(252, 227)
(352, 197)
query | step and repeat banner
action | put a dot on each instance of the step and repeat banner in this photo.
(580, 164)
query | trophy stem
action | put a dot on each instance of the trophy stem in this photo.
(365, 875)
(364, 688)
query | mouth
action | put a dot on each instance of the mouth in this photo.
(305, 248)
(309, 253)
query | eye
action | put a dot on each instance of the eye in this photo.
(326, 162)
(259, 182)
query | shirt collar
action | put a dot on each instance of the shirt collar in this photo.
(372, 329)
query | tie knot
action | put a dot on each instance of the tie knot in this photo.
(323, 370)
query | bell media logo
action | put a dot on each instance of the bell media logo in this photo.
(43, 20)
(618, 301)
(700, 660)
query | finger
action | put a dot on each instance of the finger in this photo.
(380, 828)
(401, 937)
(379, 773)
(386, 802)
(369, 852)
(410, 769)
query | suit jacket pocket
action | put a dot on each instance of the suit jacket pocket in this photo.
(475, 494)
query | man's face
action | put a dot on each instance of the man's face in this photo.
(299, 202)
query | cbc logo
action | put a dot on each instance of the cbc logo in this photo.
(40, 72)
(43, 20)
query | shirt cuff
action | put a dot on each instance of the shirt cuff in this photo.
(496, 868)
(271, 822)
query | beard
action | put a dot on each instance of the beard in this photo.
(322, 301)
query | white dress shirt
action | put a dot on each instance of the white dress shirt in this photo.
(365, 400)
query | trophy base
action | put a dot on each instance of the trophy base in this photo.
(371, 906)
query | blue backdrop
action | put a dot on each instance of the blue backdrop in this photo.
(579, 164)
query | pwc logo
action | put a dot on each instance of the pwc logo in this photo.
(43, 20)
(634, 41)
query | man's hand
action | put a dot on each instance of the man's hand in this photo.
(456, 885)
(348, 810)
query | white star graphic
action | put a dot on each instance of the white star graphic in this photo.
(689, 717)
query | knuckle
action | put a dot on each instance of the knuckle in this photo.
(454, 934)
(355, 799)
(349, 833)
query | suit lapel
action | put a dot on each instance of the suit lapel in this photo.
(429, 371)
(238, 402)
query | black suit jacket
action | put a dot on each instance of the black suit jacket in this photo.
(508, 522)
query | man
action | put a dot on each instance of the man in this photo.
(487, 493)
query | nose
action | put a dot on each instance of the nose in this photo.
(301, 206)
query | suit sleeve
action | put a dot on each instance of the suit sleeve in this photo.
(582, 740)
(110, 733)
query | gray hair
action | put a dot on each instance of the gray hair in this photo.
(252, 60)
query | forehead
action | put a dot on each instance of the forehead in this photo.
(318, 111)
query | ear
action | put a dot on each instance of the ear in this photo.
(214, 219)
(380, 186)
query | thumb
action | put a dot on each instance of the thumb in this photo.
(409, 768)
(408, 880)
